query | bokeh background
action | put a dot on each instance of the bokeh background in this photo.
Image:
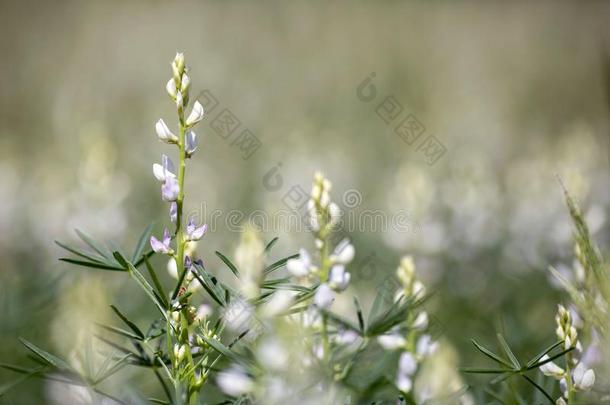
(517, 94)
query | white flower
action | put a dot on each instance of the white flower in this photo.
(392, 341)
(196, 114)
(343, 253)
(583, 378)
(404, 383)
(560, 401)
(300, 267)
(425, 346)
(279, 302)
(171, 88)
(203, 312)
(179, 352)
(165, 169)
(407, 364)
(179, 102)
(234, 382)
(179, 61)
(346, 337)
(324, 296)
(551, 369)
(272, 354)
(164, 133)
(186, 82)
(418, 289)
(338, 278)
(335, 214)
(421, 321)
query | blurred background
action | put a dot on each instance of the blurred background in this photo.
(510, 97)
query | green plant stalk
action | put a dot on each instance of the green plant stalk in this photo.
(187, 379)
(570, 386)
(325, 267)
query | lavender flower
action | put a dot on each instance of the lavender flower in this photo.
(193, 232)
(173, 212)
(191, 143)
(164, 245)
(165, 169)
(170, 189)
(338, 277)
(324, 296)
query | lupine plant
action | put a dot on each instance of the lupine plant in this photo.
(588, 312)
(276, 334)
(233, 339)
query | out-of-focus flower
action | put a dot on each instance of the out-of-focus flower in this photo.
(280, 301)
(343, 253)
(234, 382)
(204, 311)
(421, 321)
(583, 378)
(392, 341)
(425, 346)
(301, 266)
(407, 365)
(338, 278)
(162, 246)
(324, 296)
(249, 258)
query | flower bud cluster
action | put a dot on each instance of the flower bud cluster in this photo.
(324, 215)
(415, 343)
(579, 378)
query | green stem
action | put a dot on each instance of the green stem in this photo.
(185, 380)
(570, 386)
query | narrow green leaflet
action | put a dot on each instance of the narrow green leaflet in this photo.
(274, 266)
(127, 322)
(228, 262)
(508, 351)
(47, 357)
(141, 243)
(271, 243)
(148, 289)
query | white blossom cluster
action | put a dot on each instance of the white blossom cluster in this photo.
(415, 343)
(576, 376)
